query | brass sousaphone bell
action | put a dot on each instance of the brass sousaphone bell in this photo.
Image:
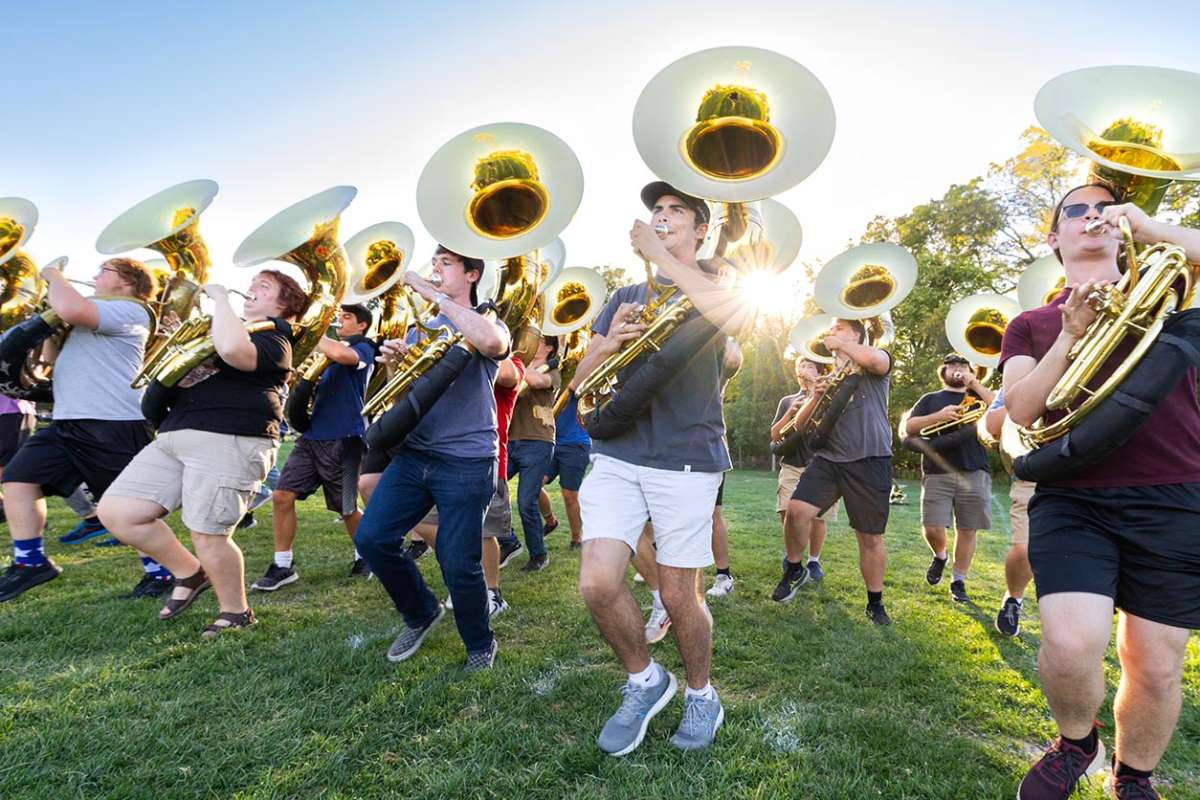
(975, 326)
(21, 285)
(866, 281)
(1041, 282)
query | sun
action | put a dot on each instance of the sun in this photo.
(772, 293)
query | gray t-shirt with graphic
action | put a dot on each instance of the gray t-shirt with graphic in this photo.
(463, 421)
(683, 429)
(93, 372)
(863, 430)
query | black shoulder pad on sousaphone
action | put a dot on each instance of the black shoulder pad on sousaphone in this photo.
(395, 424)
(1116, 419)
(816, 439)
(15, 346)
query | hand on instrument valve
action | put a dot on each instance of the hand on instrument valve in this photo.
(1140, 223)
(215, 290)
(646, 243)
(821, 385)
(834, 343)
(947, 413)
(422, 286)
(1078, 312)
(49, 273)
(391, 351)
(622, 329)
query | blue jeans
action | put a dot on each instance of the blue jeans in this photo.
(461, 488)
(531, 460)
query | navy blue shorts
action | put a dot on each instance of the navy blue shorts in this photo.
(569, 464)
(1139, 545)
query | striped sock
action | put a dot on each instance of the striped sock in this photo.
(29, 552)
(155, 569)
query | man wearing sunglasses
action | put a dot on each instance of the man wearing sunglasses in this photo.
(1120, 533)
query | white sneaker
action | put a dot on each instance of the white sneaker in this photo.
(637, 577)
(497, 605)
(658, 625)
(722, 586)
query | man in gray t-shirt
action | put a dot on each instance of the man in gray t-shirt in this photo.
(854, 464)
(98, 426)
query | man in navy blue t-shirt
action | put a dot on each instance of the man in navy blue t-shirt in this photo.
(327, 455)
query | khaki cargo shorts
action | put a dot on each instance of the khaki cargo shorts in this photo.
(1019, 493)
(789, 476)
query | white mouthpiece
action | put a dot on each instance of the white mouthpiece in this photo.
(1094, 225)
(661, 230)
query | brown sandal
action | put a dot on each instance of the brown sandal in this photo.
(236, 620)
(197, 583)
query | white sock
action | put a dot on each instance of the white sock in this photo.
(814, 558)
(657, 598)
(284, 558)
(958, 576)
(1008, 596)
(708, 692)
(941, 556)
(356, 555)
(647, 675)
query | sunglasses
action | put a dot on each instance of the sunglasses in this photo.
(1077, 210)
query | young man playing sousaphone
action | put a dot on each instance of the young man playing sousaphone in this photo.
(854, 464)
(327, 455)
(792, 464)
(956, 484)
(666, 469)
(98, 425)
(213, 450)
(449, 461)
(1118, 533)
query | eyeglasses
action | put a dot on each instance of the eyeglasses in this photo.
(1077, 210)
(107, 269)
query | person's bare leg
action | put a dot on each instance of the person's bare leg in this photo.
(544, 508)
(935, 537)
(351, 523)
(693, 637)
(1017, 572)
(491, 562)
(574, 515)
(872, 560)
(816, 537)
(645, 560)
(366, 486)
(613, 608)
(424, 532)
(964, 550)
(720, 539)
(1075, 633)
(283, 519)
(25, 507)
(139, 523)
(222, 560)
(796, 527)
(1150, 694)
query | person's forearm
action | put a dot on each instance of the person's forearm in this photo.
(595, 355)
(1187, 238)
(985, 394)
(536, 378)
(230, 338)
(338, 352)
(477, 329)
(725, 309)
(1025, 399)
(914, 424)
(866, 356)
(66, 301)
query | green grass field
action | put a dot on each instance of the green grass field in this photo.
(98, 699)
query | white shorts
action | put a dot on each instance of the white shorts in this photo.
(617, 498)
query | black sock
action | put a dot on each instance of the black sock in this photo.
(92, 520)
(793, 567)
(724, 572)
(874, 597)
(1124, 769)
(1087, 744)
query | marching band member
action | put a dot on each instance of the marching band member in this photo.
(1119, 533)
(213, 449)
(956, 483)
(665, 470)
(447, 461)
(855, 464)
(791, 465)
(1017, 572)
(731, 363)
(328, 453)
(18, 419)
(98, 425)
(572, 449)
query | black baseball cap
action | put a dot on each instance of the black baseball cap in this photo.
(955, 358)
(656, 189)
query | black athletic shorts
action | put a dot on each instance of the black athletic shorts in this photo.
(69, 452)
(1139, 545)
(864, 487)
(14, 430)
(329, 464)
(375, 461)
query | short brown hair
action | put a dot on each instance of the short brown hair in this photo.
(293, 298)
(135, 273)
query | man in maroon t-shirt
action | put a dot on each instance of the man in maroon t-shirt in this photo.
(1123, 532)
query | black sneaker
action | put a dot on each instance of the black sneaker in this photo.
(958, 590)
(359, 569)
(933, 575)
(150, 586)
(878, 613)
(1127, 787)
(85, 530)
(536, 563)
(416, 548)
(1008, 621)
(247, 521)
(409, 640)
(19, 578)
(549, 527)
(508, 550)
(275, 577)
(483, 659)
(576, 545)
(794, 576)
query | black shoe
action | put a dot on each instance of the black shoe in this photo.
(794, 576)
(416, 548)
(933, 575)
(878, 613)
(275, 577)
(359, 569)
(1008, 621)
(19, 578)
(958, 590)
(576, 545)
(150, 586)
(247, 521)
(549, 527)
(508, 550)
(536, 563)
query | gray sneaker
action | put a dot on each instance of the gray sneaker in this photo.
(698, 728)
(409, 640)
(625, 729)
(483, 659)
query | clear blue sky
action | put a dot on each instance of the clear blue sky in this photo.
(106, 103)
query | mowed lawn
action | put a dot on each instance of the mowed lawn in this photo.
(98, 699)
